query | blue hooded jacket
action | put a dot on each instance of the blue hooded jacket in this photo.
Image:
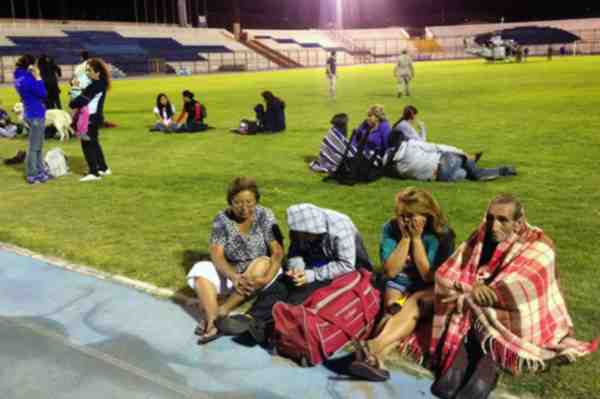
(32, 92)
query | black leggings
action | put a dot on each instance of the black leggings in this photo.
(92, 149)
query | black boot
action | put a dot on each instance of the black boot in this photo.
(482, 382)
(447, 386)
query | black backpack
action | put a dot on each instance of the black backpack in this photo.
(359, 168)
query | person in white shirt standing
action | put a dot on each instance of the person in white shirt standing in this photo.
(331, 73)
(404, 72)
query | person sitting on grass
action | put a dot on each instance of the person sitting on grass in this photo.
(333, 147)
(7, 128)
(373, 134)
(191, 118)
(246, 253)
(248, 126)
(405, 127)
(414, 244)
(164, 112)
(497, 305)
(325, 244)
(274, 117)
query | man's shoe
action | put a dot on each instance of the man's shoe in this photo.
(106, 172)
(90, 177)
(42, 177)
(32, 180)
(482, 382)
(508, 171)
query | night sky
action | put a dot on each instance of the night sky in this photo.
(305, 13)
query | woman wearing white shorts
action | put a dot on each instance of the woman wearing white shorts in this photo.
(245, 252)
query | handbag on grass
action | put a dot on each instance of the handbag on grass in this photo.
(331, 317)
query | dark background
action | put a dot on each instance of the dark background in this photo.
(305, 13)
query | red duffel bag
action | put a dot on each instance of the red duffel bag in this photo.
(332, 316)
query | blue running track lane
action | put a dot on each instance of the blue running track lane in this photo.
(72, 336)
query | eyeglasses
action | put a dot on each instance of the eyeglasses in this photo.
(241, 204)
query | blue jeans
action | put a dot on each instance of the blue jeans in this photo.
(454, 167)
(35, 159)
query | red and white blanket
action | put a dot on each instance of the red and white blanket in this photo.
(528, 326)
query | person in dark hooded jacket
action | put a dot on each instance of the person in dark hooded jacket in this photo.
(50, 74)
(274, 117)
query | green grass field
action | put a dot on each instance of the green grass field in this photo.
(152, 218)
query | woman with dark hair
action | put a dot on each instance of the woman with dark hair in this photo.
(405, 127)
(164, 112)
(50, 74)
(94, 96)
(31, 89)
(191, 118)
(274, 116)
(245, 252)
(334, 146)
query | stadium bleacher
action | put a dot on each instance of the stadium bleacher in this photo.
(151, 48)
(132, 49)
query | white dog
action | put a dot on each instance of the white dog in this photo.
(58, 118)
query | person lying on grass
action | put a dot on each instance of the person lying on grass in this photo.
(246, 252)
(414, 244)
(420, 160)
(501, 290)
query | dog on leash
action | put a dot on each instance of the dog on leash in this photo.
(58, 118)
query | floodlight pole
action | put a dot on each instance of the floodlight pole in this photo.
(12, 10)
(339, 15)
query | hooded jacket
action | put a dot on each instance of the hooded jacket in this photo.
(32, 92)
(338, 239)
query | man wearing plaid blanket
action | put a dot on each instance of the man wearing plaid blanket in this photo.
(499, 293)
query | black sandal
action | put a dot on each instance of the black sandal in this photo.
(366, 365)
(201, 328)
(209, 338)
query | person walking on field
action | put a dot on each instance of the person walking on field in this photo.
(331, 73)
(404, 72)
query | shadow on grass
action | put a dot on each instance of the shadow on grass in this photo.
(309, 158)
(188, 259)
(77, 165)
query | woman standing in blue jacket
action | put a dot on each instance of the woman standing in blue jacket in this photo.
(31, 89)
(93, 96)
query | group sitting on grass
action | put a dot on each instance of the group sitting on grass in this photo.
(190, 120)
(270, 117)
(402, 151)
(494, 303)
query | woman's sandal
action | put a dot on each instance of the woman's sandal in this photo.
(201, 328)
(366, 365)
(201, 331)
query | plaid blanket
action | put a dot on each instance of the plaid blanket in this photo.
(528, 326)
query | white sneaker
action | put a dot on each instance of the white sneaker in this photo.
(90, 177)
(106, 172)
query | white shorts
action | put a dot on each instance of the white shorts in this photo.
(208, 271)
